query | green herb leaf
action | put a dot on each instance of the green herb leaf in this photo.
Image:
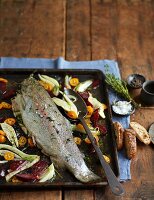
(118, 86)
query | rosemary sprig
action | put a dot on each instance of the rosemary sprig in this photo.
(119, 86)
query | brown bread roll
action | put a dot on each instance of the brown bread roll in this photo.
(119, 131)
(130, 143)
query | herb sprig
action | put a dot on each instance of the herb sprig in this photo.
(119, 86)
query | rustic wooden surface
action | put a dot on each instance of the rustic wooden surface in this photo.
(87, 30)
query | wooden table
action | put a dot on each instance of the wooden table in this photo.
(87, 30)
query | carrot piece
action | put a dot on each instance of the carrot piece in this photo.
(10, 121)
(15, 180)
(2, 139)
(9, 155)
(30, 142)
(6, 105)
(74, 82)
(90, 110)
(77, 140)
(3, 80)
(46, 86)
(72, 114)
(80, 127)
(87, 140)
(104, 106)
(2, 133)
(22, 141)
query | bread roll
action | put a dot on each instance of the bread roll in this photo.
(119, 131)
(130, 143)
(141, 132)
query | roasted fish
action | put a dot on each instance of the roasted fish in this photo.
(51, 130)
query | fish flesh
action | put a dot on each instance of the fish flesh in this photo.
(51, 130)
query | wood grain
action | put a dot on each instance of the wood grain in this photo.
(78, 46)
(104, 29)
(37, 195)
(79, 194)
(135, 34)
(118, 33)
(32, 28)
(83, 30)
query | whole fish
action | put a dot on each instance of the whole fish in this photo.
(51, 130)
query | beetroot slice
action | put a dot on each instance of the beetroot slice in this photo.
(27, 177)
(102, 128)
(2, 87)
(8, 93)
(84, 95)
(39, 168)
(94, 118)
(95, 84)
(15, 164)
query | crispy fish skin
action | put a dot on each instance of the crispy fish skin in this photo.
(51, 130)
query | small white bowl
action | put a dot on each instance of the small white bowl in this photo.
(123, 108)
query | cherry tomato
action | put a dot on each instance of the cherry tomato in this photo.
(10, 121)
(77, 140)
(22, 141)
(30, 142)
(74, 82)
(2, 139)
(9, 155)
(2, 133)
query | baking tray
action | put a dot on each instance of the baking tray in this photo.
(66, 179)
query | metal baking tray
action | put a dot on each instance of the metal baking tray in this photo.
(66, 179)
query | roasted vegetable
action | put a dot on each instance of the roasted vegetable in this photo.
(2, 139)
(48, 174)
(9, 155)
(81, 87)
(10, 134)
(53, 82)
(74, 82)
(10, 121)
(97, 105)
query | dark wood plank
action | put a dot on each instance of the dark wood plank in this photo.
(78, 44)
(32, 28)
(103, 29)
(79, 194)
(37, 195)
(135, 37)
(126, 27)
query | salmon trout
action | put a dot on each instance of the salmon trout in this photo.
(51, 130)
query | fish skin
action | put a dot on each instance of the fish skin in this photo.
(51, 130)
